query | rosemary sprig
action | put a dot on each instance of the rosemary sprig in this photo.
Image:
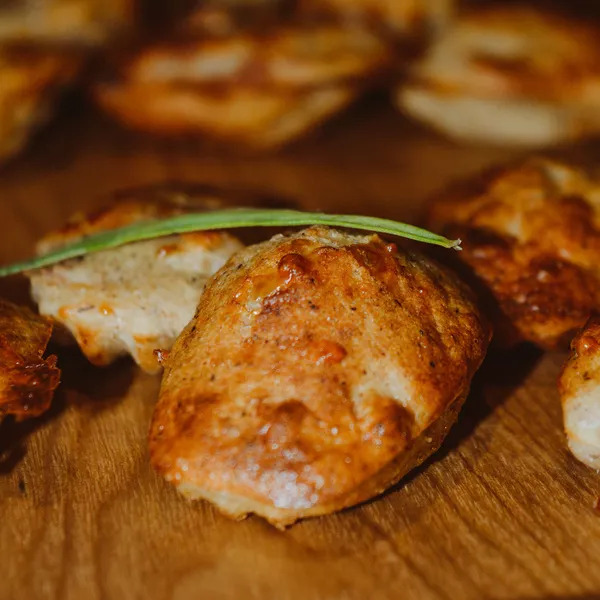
(223, 219)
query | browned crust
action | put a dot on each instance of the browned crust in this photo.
(276, 391)
(27, 381)
(531, 238)
(585, 346)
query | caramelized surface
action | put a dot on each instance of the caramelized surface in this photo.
(312, 367)
(27, 380)
(531, 237)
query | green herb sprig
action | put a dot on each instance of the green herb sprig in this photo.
(223, 219)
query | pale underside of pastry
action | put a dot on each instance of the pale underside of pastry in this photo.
(31, 82)
(320, 367)
(531, 243)
(261, 90)
(580, 395)
(136, 298)
(509, 76)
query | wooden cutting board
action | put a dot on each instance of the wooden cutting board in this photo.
(502, 511)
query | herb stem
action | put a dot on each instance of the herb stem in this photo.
(223, 219)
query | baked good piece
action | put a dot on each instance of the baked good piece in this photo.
(579, 387)
(32, 80)
(64, 21)
(226, 17)
(136, 298)
(531, 237)
(259, 90)
(320, 367)
(408, 18)
(27, 380)
(509, 75)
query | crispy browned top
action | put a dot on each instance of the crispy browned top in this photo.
(312, 362)
(27, 381)
(515, 51)
(531, 235)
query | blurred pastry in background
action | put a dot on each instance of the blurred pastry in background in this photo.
(64, 21)
(579, 387)
(407, 18)
(509, 76)
(27, 380)
(226, 17)
(31, 82)
(256, 89)
(531, 238)
(136, 298)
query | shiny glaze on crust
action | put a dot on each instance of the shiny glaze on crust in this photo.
(313, 362)
(531, 237)
(27, 380)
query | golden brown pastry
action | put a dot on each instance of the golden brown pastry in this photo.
(531, 237)
(259, 90)
(63, 21)
(31, 80)
(509, 75)
(320, 367)
(136, 298)
(579, 387)
(27, 380)
(405, 17)
(227, 17)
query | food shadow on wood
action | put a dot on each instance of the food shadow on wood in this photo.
(500, 375)
(89, 386)
(16, 289)
(14, 434)
(82, 384)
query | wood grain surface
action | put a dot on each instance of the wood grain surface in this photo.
(502, 511)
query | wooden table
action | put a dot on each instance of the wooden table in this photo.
(502, 511)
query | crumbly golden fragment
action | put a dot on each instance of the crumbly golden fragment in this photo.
(579, 387)
(260, 89)
(509, 75)
(320, 367)
(136, 298)
(531, 237)
(31, 80)
(27, 380)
